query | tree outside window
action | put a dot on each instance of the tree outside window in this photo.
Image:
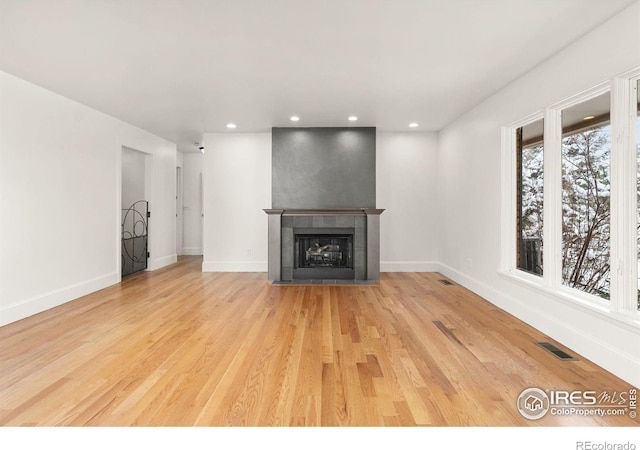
(586, 210)
(530, 170)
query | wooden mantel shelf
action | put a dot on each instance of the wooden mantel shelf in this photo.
(326, 212)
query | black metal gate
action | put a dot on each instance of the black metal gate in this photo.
(135, 228)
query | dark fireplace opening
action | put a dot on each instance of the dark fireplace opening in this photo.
(325, 251)
(323, 254)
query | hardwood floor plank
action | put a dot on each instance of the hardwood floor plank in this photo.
(178, 347)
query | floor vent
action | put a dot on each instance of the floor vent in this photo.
(564, 356)
(447, 282)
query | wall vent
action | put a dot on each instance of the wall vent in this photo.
(560, 354)
(447, 282)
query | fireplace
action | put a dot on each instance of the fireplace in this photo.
(324, 225)
(323, 253)
(348, 245)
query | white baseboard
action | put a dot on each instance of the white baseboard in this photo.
(157, 263)
(252, 266)
(234, 266)
(409, 266)
(40, 303)
(192, 251)
(582, 341)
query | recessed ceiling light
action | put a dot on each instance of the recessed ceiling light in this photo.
(588, 117)
(352, 118)
(231, 125)
(294, 118)
(413, 124)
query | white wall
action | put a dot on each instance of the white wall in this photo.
(192, 203)
(179, 202)
(162, 203)
(469, 194)
(133, 176)
(406, 187)
(237, 187)
(60, 196)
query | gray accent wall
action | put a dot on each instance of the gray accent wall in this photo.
(315, 168)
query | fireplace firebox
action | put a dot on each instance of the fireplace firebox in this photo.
(323, 253)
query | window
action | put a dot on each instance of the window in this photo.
(529, 197)
(586, 209)
(638, 183)
(571, 199)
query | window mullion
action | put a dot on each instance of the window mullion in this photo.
(633, 171)
(621, 219)
(552, 230)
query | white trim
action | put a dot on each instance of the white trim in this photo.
(40, 303)
(598, 309)
(385, 266)
(552, 200)
(623, 196)
(508, 189)
(589, 345)
(409, 266)
(118, 206)
(587, 94)
(158, 263)
(234, 266)
(533, 117)
(627, 85)
(632, 206)
(617, 178)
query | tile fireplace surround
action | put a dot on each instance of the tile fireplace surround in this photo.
(365, 223)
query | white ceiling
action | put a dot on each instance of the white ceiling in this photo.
(178, 68)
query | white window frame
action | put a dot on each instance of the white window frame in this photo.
(626, 88)
(509, 192)
(622, 305)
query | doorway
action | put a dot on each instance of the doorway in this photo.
(179, 214)
(135, 212)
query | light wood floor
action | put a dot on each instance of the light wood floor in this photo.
(177, 347)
